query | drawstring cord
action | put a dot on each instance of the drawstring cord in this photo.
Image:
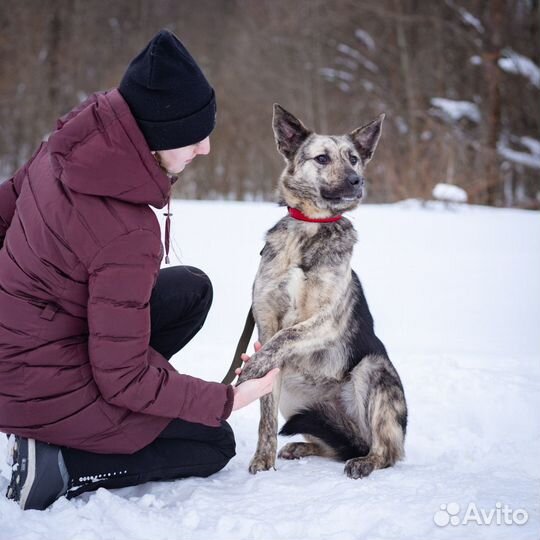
(173, 178)
(167, 230)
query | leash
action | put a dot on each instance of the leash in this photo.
(249, 325)
(242, 346)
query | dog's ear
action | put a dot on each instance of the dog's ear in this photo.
(365, 138)
(289, 132)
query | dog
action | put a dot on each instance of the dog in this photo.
(336, 385)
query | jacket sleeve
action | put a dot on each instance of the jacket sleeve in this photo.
(8, 198)
(121, 278)
(9, 192)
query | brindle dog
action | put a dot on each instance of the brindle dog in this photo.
(337, 386)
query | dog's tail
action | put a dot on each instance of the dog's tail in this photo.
(333, 429)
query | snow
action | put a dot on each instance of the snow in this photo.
(449, 193)
(333, 74)
(467, 17)
(471, 20)
(532, 144)
(358, 56)
(365, 38)
(368, 86)
(349, 51)
(523, 158)
(528, 159)
(401, 124)
(347, 62)
(456, 109)
(514, 62)
(455, 299)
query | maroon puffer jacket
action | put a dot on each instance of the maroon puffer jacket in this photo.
(81, 254)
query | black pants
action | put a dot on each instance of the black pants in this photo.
(179, 304)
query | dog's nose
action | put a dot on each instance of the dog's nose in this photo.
(353, 179)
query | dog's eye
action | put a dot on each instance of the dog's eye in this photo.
(354, 160)
(323, 159)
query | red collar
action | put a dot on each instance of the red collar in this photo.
(296, 214)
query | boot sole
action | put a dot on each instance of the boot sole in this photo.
(30, 475)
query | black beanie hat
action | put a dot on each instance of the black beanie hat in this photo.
(170, 98)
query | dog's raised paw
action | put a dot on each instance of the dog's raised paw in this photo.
(359, 467)
(249, 372)
(261, 462)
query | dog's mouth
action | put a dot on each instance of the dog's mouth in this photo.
(341, 197)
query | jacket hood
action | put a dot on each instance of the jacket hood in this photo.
(98, 149)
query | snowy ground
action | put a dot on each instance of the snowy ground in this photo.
(456, 299)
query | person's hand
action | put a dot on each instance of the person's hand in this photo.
(253, 389)
(245, 358)
(247, 392)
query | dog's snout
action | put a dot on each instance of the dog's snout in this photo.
(353, 179)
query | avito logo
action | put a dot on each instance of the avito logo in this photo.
(501, 514)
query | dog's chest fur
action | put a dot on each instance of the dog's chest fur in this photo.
(304, 269)
(300, 264)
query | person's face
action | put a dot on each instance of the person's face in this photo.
(176, 159)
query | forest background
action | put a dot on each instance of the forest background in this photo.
(458, 80)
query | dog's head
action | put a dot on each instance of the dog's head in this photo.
(324, 174)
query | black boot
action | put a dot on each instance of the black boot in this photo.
(39, 475)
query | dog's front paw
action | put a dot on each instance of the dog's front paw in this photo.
(359, 467)
(252, 370)
(243, 377)
(262, 462)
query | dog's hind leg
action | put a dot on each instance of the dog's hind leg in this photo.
(265, 454)
(377, 385)
(331, 433)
